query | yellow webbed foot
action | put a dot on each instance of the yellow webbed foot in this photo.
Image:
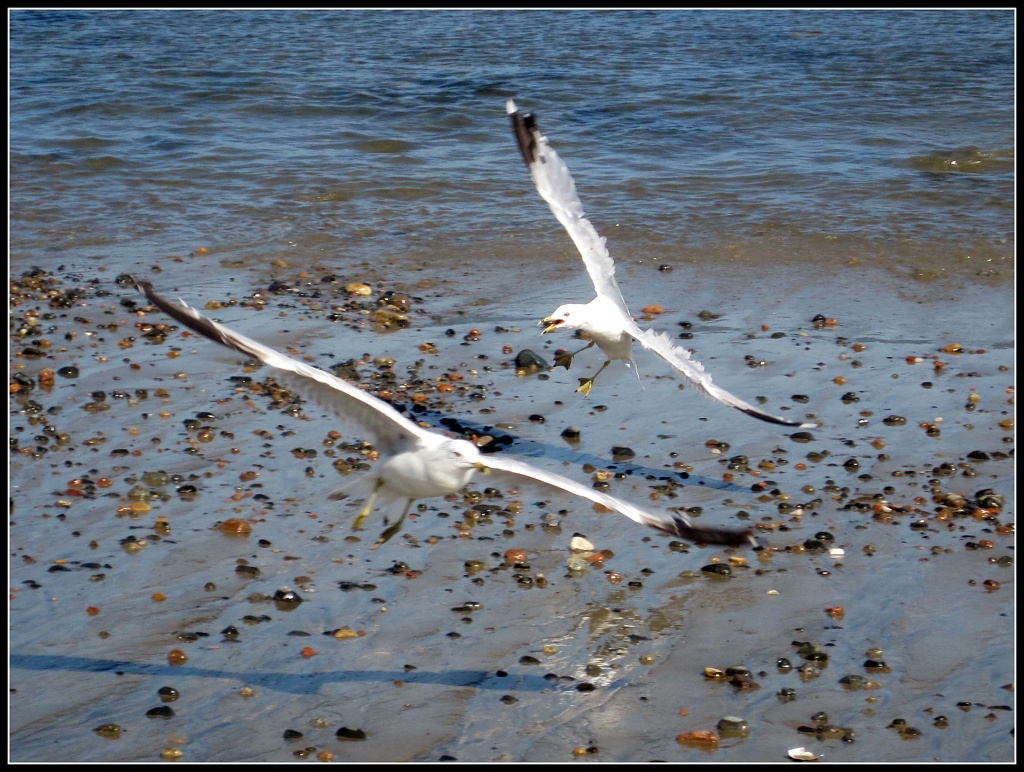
(563, 360)
(388, 533)
(392, 530)
(368, 506)
(585, 386)
(360, 518)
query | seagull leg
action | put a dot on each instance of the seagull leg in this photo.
(564, 360)
(587, 383)
(392, 530)
(365, 511)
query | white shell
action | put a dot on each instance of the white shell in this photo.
(802, 754)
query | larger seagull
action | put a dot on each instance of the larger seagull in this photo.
(416, 463)
(605, 319)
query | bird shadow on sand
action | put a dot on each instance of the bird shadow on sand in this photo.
(502, 440)
(293, 683)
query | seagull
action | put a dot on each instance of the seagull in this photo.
(605, 320)
(416, 463)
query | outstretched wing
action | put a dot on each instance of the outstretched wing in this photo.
(675, 524)
(392, 432)
(692, 371)
(556, 186)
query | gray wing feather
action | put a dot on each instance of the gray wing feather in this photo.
(672, 523)
(557, 188)
(692, 371)
(392, 432)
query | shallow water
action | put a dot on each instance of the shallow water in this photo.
(217, 159)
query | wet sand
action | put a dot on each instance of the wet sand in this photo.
(444, 659)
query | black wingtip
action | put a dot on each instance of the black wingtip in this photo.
(724, 536)
(524, 126)
(146, 288)
(190, 318)
(141, 285)
(769, 418)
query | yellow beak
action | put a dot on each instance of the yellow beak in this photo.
(481, 467)
(551, 324)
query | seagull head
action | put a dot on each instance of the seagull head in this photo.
(463, 453)
(567, 317)
(451, 464)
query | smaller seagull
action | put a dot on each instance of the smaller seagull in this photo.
(416, 463)
(605, 320)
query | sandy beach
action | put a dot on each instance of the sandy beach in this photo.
(876, 622)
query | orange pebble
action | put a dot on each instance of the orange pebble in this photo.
(836, 612)
(701, 738)
(515, 556)
(92, 610)
(309, 651)
(235, 526)
(176, 657)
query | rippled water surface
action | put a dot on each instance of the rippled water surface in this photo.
(817, 137)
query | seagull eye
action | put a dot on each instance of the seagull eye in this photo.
(566, 314)
(456, 453)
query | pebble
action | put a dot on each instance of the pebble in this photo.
(733, 726)
(112, 731)
(529, 361)
(344, 733)
(580, 544)
(168, 693)
(700, 739)
(516, 557)
(571, 434)
(717, 569)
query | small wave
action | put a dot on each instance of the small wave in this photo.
(968, 160)
(385, 146)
